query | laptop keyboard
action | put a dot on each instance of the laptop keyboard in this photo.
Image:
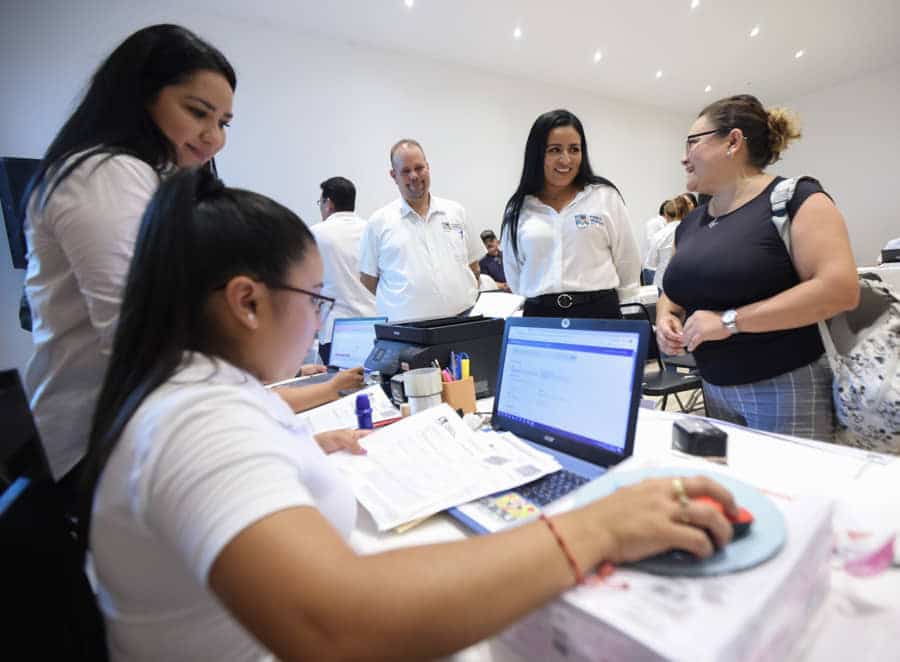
(524, 501)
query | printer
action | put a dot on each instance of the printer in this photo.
(417, 344)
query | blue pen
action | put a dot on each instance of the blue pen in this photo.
(453, 364)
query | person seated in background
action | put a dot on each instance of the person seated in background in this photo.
(566, 234)
(218, 529)
(733, 294)
(651, 227)
(338, 237)
(418, 255)
(492, 263)
(662, 244)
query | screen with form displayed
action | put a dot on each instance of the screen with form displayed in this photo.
(352, 341)
(570, 381)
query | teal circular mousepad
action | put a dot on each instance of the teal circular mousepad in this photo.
(765, 539)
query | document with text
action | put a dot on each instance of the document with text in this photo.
(341, 414)
(431, 461)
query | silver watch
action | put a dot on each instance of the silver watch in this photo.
(729, 321)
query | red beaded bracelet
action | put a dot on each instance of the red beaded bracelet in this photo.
(579, 576)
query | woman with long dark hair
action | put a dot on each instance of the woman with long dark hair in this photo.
(160, 101)
(566, 232)
(218, 529)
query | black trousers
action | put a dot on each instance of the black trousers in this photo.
(603, 305)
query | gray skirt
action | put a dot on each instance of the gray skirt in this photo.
(797, 403)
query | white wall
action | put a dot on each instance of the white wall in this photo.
(851, 144)
(308, 108)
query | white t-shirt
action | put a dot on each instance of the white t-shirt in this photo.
(422, 265)
(662, 247)
(651, 227)
(79, 249)
(588, 246)
(205, 456)
(338, 238)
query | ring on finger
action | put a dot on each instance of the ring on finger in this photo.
(680, 494)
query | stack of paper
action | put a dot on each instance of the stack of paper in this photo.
(430, 462)
(341, 414)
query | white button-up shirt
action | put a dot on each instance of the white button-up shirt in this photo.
(587, 246)
(662, 247)
(338, 238)
(80, 246)
(422, 265)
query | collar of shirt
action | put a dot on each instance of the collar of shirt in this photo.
(534, 201)
(434, 207)
(342, 216)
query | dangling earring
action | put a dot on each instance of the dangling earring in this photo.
(251, 317)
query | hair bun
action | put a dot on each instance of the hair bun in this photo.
(208, 185)
(784, 128)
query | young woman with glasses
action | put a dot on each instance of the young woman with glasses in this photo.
(218, 530)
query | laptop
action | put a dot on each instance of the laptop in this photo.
(568, 387)
(352, 340)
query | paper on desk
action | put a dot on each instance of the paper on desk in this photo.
(497, 304)
(430, 462)
(341, 414)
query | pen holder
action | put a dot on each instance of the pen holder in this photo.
(460, 394)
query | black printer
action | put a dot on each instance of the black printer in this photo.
(408, 345)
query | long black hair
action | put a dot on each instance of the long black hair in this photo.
(195, 236)
(113, 117)
(532, 180)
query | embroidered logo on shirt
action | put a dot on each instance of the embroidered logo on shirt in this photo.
(453, 227)
(583, 221)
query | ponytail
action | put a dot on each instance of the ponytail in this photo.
(195, 235)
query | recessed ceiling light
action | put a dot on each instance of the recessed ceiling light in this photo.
(659, 74)
(598, 55)
(695, 4)
(708, 88)
(409, 3)
(754, 31)
(799, 54)
(517, 33)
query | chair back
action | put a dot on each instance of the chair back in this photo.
(55, 615)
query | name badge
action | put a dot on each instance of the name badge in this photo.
(447, 226)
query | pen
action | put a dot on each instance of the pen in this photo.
(386, 421)
(445, 374)
(465, 368)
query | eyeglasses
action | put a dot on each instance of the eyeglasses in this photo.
(323, 304)
(320, 202)
(694, 138)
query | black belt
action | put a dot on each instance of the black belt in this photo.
(568, 299)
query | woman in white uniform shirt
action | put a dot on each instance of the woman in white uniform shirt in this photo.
(160, 101)
(566, 232)
(219, 531)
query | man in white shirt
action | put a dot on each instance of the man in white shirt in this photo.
(418, 254)
(338, 237)
(651, 227)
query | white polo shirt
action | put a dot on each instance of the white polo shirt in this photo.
(588, 246)
(206, 455)
(80, 246)
(338, 238)
(422, 265)
(651, 227)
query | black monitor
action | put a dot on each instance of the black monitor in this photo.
(15, 173)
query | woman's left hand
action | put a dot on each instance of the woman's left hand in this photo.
(342, 440)
(702, 326)
(312, 369)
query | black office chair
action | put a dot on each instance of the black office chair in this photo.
(51, 610)
(669, 381)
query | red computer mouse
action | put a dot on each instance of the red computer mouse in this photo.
(740, 525)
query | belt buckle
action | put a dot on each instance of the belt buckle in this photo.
(564, 300)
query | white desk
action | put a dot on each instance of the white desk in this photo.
(860, 619)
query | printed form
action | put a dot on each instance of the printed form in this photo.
(341, 414)
(431, 461)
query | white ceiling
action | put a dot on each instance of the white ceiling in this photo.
(694, 48)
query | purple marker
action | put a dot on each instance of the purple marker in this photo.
(363, 412)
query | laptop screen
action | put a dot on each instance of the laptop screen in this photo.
(572, 385)
(352, 340)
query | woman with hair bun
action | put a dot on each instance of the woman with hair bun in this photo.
(735, 296)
